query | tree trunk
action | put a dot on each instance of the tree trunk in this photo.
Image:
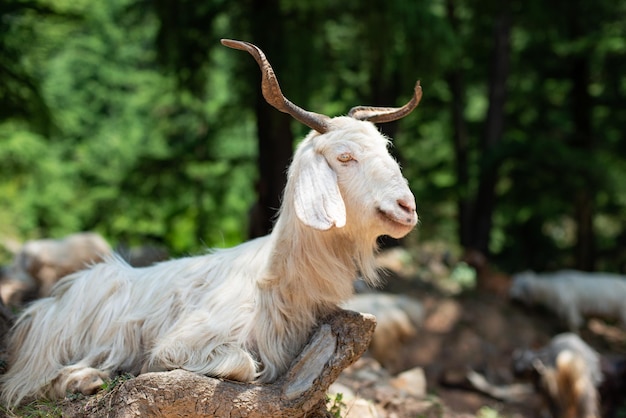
(275, 150)
(461, 148)
(461, 142)
(273, 127)
(581, 111)
(583, 141)
(485, 199)
(585, 237)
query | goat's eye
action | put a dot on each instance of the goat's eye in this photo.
(345, 157)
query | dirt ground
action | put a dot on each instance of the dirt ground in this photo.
(465, 329)
(470, 330)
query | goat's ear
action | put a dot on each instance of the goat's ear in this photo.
(317, 197)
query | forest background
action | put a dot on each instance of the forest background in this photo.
(129, 118)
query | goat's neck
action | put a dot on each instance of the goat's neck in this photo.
(316, 267)
(308, 273)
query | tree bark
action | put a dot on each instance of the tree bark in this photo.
(581, 112)
(275, 137)
(338, 341)
(461, 142)
(275, 149)
(485, 199)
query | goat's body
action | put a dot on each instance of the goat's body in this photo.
(574, 295)
(133, 319)
(566, 373)
(241, 313)
(207, 314)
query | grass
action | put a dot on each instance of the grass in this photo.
(336, 404)
(35, 409)
(437, 406)
(109, 385)
(54, 409)
(488, 412)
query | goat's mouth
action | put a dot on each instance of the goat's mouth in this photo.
(404, 220)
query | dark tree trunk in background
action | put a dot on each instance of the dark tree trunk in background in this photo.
(461, 147)
(273, 127)
(585, 248)
(582, 108)
(494, 128)
(275, 149)
(461, 141)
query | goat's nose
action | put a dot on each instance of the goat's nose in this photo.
(407, 205)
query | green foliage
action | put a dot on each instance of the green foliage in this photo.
(116, 381)
(133, 155)
(128, 118)
(488, 412)
(464, 276)
(336, 404)
(36, 409)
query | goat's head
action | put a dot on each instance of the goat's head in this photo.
(342, 174)
(522, 287)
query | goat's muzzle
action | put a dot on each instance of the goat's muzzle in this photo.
(399, 218)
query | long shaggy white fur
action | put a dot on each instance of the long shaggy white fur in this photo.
(573, 295)
(241, 313)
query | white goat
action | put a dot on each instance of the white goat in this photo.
(573, 295)
(241, 313)
(398, 318)
(566, 373)
(39, 264)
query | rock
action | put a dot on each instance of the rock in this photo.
(412, 382)
(368, 391)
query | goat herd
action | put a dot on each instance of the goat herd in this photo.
(244, 313)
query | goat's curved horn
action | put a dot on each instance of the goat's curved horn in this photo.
(271, 90)
(387, 114)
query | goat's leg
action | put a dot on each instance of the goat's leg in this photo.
(573, 317)
(78, 378)
(226, 360)
(622, 320)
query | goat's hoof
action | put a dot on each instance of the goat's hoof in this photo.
(85, 380)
